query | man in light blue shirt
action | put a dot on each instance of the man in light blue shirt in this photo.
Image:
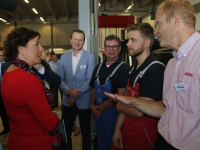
(55, 66)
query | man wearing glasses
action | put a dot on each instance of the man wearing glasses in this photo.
(110, 76)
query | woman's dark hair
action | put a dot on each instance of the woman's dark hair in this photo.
(18, 37)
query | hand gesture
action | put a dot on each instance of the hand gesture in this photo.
(126, 100)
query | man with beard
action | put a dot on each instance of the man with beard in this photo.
(135, 130)
(109, 76)
(179, 111)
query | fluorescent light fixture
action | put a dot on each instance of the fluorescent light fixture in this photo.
(99, 4)
(129, 7)
(3, 20)
(35, 11)
(57, 49)
(26, 1)
(41, 19)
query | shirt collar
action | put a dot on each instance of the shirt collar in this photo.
(79, 54)
(116, 62)
(187, 46)
(147, 61)
(54, 62)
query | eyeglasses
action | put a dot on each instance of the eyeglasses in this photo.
(113, 47)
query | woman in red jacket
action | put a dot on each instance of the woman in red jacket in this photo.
(25, 96)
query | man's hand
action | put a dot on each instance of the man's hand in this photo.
(70, 102)
(96, 111)
(126, 100)
(117, 139)
(74, 94)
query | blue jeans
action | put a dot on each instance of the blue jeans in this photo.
(69, 116)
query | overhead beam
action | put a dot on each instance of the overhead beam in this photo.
(35, 4)
(25, 11)
(143, 2)
(52, 9)
(14, 14)
(112, 3)
(127, 3)
(66, 8)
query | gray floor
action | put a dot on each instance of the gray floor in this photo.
(77, 140)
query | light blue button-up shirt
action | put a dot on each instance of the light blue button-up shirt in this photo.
(55, 66)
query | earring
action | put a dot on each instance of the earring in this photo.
(23, 58)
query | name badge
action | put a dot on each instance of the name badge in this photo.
(82, 66)
(180, 86)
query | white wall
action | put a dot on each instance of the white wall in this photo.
(197, 27)
(4, 30)
(148, 20)
(61, 32)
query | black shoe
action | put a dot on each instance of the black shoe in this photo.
(4, 132)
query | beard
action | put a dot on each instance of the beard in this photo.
(137, 52)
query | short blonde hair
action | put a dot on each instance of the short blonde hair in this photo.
(181, 7)
(45, 55)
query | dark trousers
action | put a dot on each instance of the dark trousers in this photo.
(55, 90)
(69, 115)
(4, 117)
(162, 144)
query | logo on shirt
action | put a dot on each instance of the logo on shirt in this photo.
(187, 74)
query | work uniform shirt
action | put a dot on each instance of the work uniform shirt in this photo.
(180, 122)
(119, 79)
(151, 84)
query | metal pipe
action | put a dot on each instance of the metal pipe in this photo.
(51, 24)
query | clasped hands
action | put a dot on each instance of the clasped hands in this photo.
(96, 111)
(74, 94)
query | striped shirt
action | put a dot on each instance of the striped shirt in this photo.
(180, 123)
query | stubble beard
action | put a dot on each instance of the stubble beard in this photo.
(138, 52)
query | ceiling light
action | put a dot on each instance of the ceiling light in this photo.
(7, 23)
(26, 1)
(3, 20)
(35, 11)
(129, 7)
(99, 4)
(57, 49)
(41, 19)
